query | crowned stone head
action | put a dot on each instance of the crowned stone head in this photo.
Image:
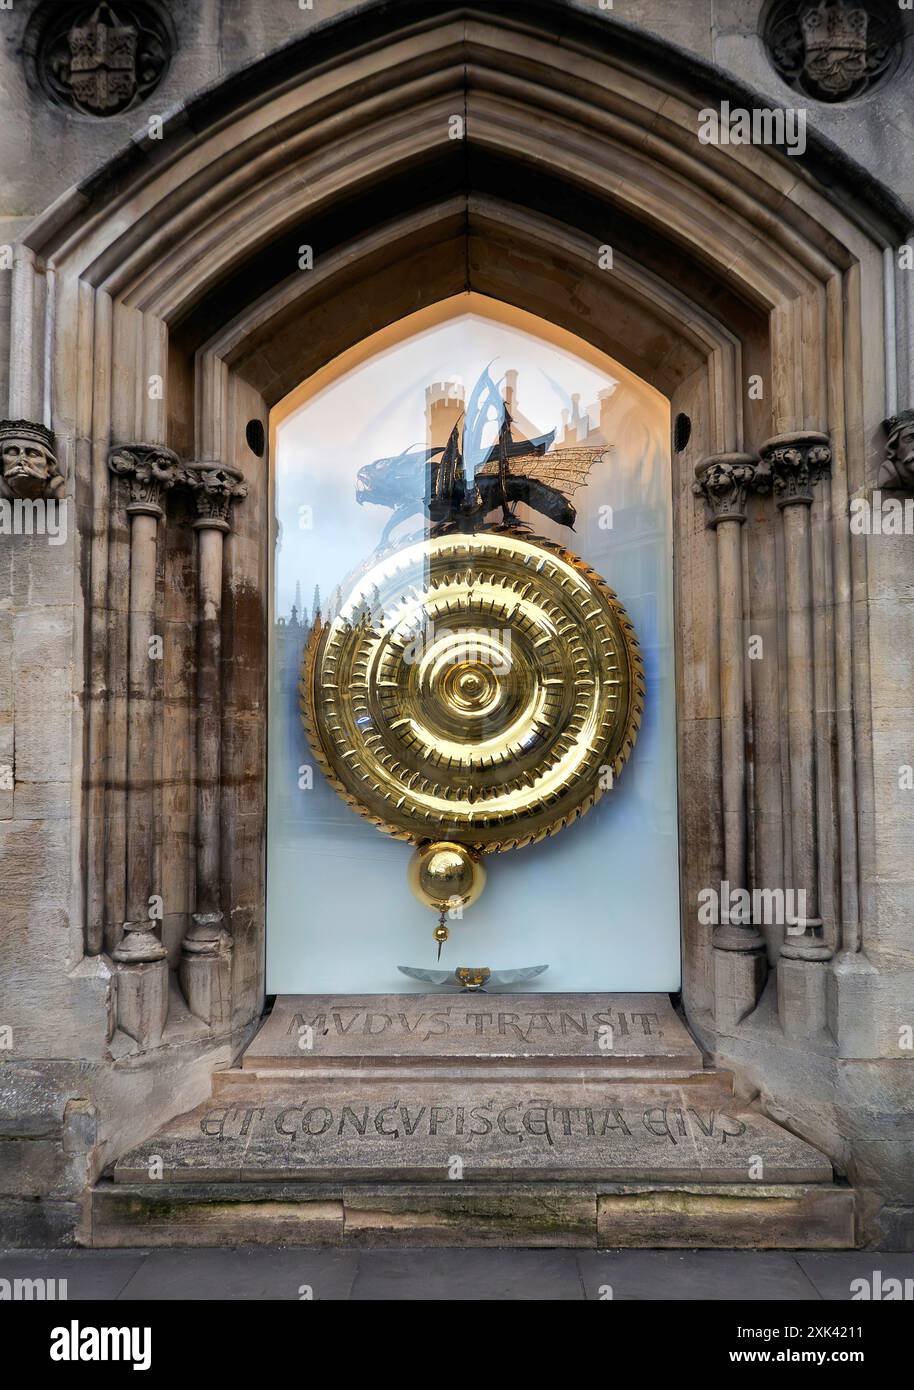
(28, 463)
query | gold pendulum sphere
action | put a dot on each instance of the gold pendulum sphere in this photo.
(444, 876)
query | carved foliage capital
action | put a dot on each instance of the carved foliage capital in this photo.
(792, 464)
(898, 466)
(215, 487)
(723, 481)
(28, 462)
(150, 471)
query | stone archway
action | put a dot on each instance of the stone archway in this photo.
(161, 307)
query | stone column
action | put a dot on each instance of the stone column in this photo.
(205, 967)
(739, 957)
(795, 463)
(142, 977)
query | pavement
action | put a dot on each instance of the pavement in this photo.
(288, 1272)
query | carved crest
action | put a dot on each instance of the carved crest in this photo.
(833, 50)
(103, 61)
(104, 58)
(835, 41)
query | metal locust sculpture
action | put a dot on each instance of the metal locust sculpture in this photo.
(479, 688)
(460, 484)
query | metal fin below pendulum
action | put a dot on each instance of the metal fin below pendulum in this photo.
(441, 933)
(472, 978)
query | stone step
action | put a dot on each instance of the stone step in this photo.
(521, 1036)
(415, 1131)
(538, 1119)
(237, 1082)
(639, 1214)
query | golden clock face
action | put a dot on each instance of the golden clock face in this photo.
(481, 687)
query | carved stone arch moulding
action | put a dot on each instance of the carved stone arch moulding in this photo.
(197, 214)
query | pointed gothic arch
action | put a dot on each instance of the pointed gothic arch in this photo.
(178, 264)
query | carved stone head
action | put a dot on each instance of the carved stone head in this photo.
(27, 460)
(898, 468)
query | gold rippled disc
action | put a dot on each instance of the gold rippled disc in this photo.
(474, 687)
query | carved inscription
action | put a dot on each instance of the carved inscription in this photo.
(397, 1120)
(487, 1021)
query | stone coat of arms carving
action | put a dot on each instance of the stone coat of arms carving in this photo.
(103, 61)
(835, 40)
(104, 58)
(833, 50)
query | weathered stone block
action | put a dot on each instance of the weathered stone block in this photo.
(745, 1217)
(156, 1218)
(30, 1225)
(802, 997)
(44, 713)
(739, 977)
(532, 1215)
(142, 1001)
(40, 1168)
(870, 1010)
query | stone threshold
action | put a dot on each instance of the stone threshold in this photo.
(537, 1215)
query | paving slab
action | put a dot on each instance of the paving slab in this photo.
(715, 1275)
(250, 1274)
(72, 1274)
(861, 1275)
(514, 1275)
(472, 1275)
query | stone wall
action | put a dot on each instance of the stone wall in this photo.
(123, 282)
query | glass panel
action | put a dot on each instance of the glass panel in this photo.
(598, 902)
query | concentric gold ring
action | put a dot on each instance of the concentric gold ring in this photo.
(474, 687)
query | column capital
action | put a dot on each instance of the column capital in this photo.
(723, 481)
(150, 470)
(898, 466)
(792, 464)
(215, 487)
(28, 461)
